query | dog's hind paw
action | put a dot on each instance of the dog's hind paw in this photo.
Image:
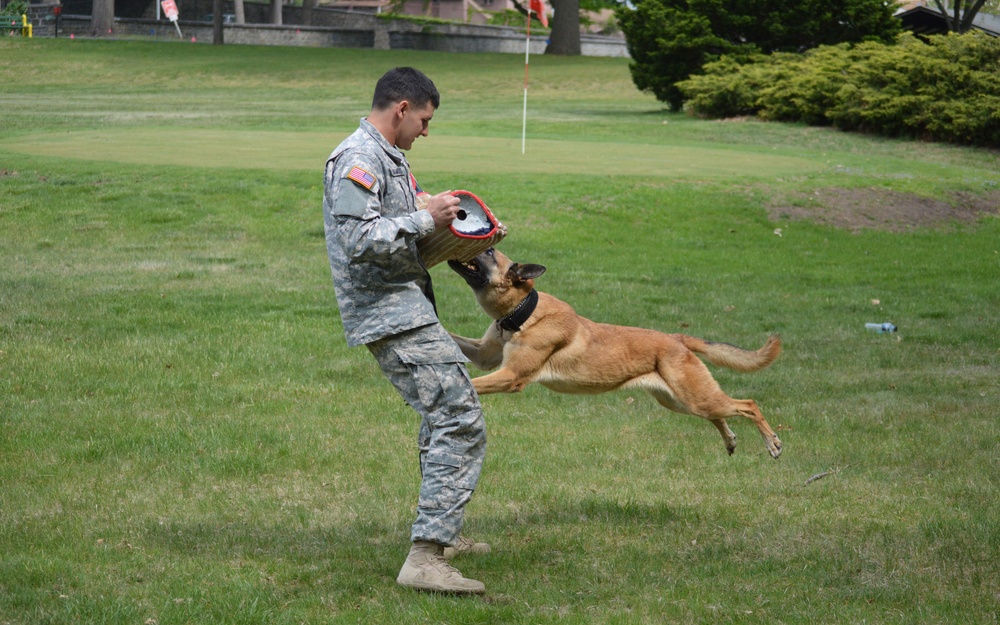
(774, 447)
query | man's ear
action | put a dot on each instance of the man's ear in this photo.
(522, 273)
(401, 108)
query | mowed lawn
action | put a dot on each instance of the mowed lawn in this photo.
(186, 438)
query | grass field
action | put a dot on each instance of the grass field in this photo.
(186, 438)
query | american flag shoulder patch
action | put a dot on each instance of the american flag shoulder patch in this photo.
(362, 177)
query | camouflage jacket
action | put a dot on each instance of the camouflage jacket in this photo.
(372, 226)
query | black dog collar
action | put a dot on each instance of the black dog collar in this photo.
(516, 319)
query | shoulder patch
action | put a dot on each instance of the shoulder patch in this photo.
(362, 177)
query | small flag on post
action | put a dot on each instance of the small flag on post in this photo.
(170, 10)
(538, 8)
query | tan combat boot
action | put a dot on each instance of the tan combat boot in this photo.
(465, 546)
(426, 569)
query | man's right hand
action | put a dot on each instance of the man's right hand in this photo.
(443, 207)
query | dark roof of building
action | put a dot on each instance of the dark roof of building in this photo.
(923, 20)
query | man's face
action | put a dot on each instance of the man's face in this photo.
(414, 124)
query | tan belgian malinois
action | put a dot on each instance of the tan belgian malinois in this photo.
(538, 338)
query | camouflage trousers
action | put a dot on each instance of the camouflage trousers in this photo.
(427, 368)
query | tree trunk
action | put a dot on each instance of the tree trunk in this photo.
(240, 13)
(565, 37)
(307, 12)
(944, 11)
(218, 38)
(276, 12)
(970, 14)
(102, 18)
(962, 14)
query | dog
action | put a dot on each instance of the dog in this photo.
(536, 337)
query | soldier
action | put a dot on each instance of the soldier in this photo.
(386, 303)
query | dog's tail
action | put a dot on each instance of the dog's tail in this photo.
(732, 357)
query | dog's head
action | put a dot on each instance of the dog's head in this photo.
(499, 283)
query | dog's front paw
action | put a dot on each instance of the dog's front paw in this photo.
(774, 447)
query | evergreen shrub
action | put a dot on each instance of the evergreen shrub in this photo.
(944, 88)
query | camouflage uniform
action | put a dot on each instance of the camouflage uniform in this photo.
(387, 303)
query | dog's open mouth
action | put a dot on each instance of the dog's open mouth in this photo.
(466, 268)
(472, 270)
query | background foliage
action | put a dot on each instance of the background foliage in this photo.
(15, 7)
(670, 40)
(947, 89)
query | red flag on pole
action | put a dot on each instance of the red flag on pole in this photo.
(538, 7)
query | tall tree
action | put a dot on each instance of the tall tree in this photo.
(565, 36)
(276, 6)
(308, 6)
(102, 17)
(670, 40)
(667, 45)
(218, 30)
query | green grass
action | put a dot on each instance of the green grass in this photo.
(186, 438)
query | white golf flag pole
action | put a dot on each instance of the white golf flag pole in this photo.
(538, 8)
(527, 50)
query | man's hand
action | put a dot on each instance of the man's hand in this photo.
(443, 207)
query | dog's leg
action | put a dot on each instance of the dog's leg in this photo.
(694, 389)
(748, 408)
(721, 407)
(727, 435)
(667, 401)
(520, 369)
(486, 353)
(502, 381)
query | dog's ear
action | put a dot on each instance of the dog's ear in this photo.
(523, 273)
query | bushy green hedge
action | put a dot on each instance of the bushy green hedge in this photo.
(15, 7)
(670, 40)
(944, 89)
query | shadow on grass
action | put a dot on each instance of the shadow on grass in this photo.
(372, 542)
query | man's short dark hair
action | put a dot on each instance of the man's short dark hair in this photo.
(404, 83)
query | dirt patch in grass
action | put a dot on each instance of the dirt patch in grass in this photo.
(883, 209)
